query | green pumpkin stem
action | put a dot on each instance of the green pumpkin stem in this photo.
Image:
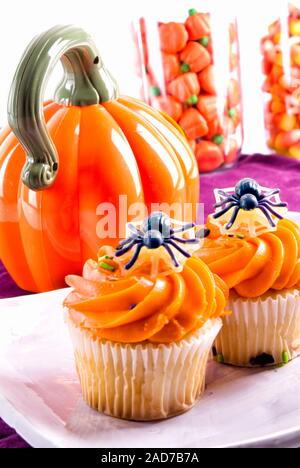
(86, 81)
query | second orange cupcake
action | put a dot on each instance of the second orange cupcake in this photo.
(256, 251)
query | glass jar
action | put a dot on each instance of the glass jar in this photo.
(280, 49)
(189, 68)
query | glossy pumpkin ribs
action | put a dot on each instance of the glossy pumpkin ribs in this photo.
(115, 146)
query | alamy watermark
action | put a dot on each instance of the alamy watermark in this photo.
(113, 218)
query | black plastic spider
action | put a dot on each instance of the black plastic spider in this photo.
(156, 232)
(248, 196)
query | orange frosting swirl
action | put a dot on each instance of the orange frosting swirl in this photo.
(137, 307)
(253, 266)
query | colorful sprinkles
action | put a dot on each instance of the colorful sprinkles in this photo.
(107, 266)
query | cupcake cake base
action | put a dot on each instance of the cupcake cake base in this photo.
(143, 381)
(260, 332)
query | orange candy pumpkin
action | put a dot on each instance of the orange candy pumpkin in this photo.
(197, 25)
(184, 87)
(209, 156)
(234, 94)
(235, 116)
(207, 106)
(232, 33)
(168, 105)
(207, 80)
(195, 56)
(229, 125)
(194, 124)
(173, 37)
(171, 66)
(143, 38)
(105, 145)
(214, 128)
(233, 61)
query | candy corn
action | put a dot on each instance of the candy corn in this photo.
(282, 86)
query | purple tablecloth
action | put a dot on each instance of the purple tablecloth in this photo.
(271, 171)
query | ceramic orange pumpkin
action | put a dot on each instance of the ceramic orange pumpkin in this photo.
(85, 148)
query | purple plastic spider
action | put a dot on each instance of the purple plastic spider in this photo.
(248, 196)
(156, 232)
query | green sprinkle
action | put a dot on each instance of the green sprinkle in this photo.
(155, 91)
(106, 266)
(192, 12)
(146, 70)
(218, 139)
(185, 68)
(220, 359)
(193, 100)
(204, 41)
(240, 236)
(285, 357)
(231, 112)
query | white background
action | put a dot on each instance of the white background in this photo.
(109, 23)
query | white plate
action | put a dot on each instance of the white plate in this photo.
(40, 395)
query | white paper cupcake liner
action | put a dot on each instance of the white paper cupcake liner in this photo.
(262, 331)
(143, 381)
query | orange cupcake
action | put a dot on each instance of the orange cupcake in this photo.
(143, 320)
(256, 251)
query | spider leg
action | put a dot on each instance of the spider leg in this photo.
(186, 227)
(270, 194)
(269, 202)
(135, 256)
(226, 194)
(135, 230)
(183, 252)
(169, 250)
(185, 241)
(225, 201)
(233, 217)
(265, 212)
(267, 207)
(124, 242)
(126, 249)
(227, 208)
(222, 193)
